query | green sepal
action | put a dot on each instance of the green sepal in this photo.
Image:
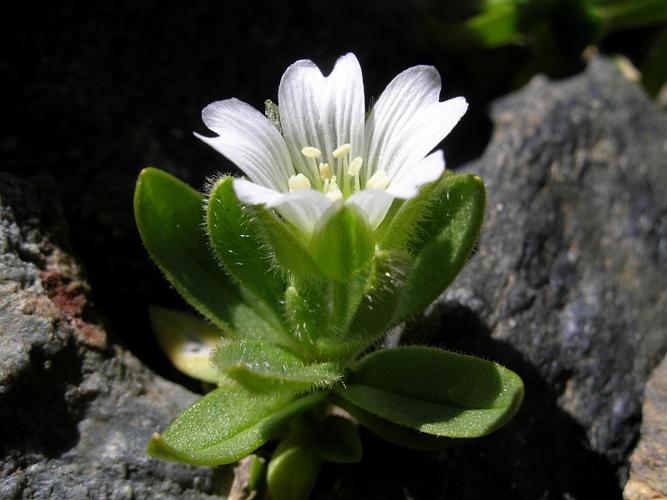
(342, 243)
(289, 247)
(169, 217)
(337, 440)
(435, 391)
(292, 470)
(375, 312)
(238, 243)
(187, 341)
(398, 434)
(256, 473)
(263, 367)
(449, 229)
(307, 311)
(227, 424)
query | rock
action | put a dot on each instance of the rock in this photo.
(75, 409)
(648, 462)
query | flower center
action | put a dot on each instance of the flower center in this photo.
(337, 181)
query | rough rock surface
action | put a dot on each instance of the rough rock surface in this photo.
(75, 410)
(648, 463)
(568, 288)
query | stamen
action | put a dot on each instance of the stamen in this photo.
(332, 191)
(341, 151)
(325, 171)
(355, 166)
(311, 152)
(378, 180)
(298, 182)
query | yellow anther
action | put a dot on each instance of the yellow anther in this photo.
(332, 190)
(341, 151)
(355, 166)
(297, 182)
(378, 180)
(310, 152)
(325, 171)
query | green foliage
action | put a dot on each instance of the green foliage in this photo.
(169, 216)
(549, 36)
(292, 315)
(263, 367)
(398, 434)
(435, 391)
(293, 470)
(343, 242)
(238, 243)
(227, 424)
(452, 219)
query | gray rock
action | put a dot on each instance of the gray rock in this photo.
(75, 409)
(648, 463)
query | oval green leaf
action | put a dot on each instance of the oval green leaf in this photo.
(448, 232)
(236, 239)
(292, 471)
(226, 425)
(398, 434)
(169, 217)
(435, 391)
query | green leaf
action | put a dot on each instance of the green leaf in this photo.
(435, 391)
(187, 341)
(307, 313)
(226, 425)
(398, 434)
(374, 314)
(448, 234)
(497, 26)
(169, 217)
(261, 366)
(235, 237)
(372, 300)
(337, 440)
(342, 243)
(288, 245)
(292, 471)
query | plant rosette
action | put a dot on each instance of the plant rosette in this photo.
(345, 225)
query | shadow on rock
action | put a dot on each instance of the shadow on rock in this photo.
(542, 454)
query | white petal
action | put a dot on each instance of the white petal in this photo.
(250, 141)
(429, 169)
(408, 121)
(302, 208)
(374, 203)
(322, 112)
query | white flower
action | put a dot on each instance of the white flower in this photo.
(327, 150)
